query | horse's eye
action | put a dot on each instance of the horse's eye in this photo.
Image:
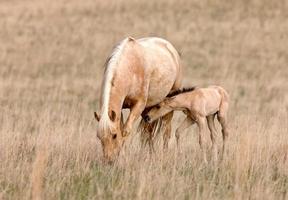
(114, 136)
(157, 106)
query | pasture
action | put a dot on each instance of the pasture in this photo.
(51, 65)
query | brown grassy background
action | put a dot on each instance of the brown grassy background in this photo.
(51, 58)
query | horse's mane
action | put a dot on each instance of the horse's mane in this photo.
(109, 60)
(116, 51)
(109, 69)
(180, 91)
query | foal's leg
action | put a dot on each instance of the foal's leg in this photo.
(222, 118)
(201, 126)
(166, 120)
(185, 124)
(213, 132)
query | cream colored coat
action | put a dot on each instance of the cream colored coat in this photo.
(139, 74)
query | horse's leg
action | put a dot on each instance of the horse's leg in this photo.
(201, 127)
(213, 132)
(185, 124)
(147, 132)
(166, 120)
(222, 118)
(135, 113)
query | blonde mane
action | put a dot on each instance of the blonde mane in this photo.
(110, 66)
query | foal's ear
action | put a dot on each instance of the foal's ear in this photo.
(96, 116)
(112, 115)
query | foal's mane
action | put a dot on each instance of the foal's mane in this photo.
(180, 91)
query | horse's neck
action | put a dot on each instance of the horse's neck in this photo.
(116, 100)
(116, 83)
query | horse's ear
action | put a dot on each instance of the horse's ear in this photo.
(112, 115)
(96, 116)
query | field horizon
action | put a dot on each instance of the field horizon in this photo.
(51, 65)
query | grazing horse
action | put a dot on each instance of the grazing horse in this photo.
(138, 74)
(197, 104)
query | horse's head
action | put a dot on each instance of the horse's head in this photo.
(109, 131)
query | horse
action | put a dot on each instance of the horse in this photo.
(197, 104)
(138, 74)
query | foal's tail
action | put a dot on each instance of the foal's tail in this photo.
(224, 95)
(222, 115)
(224, 104)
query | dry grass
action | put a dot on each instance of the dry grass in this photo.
(51, 58)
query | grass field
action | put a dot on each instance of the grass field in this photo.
(51, 58)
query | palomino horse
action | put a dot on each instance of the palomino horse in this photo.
(197, 104)
(138, 74)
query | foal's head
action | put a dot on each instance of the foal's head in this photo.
(164, 107)
(110, 134)
(158, 111)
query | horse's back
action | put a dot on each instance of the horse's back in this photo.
(163, 68)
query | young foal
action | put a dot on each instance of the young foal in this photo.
(197, 104)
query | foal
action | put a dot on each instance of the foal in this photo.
(197, 104)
